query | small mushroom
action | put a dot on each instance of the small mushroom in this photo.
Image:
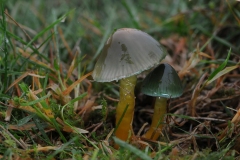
(126, 53)
(163, 83)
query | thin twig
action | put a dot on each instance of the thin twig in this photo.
(209, 119)
(22, 144)
(94, 130)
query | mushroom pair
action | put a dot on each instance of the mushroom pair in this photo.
(126, 53)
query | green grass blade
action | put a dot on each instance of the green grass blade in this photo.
(49, 27)
(5, 48)
(221, 40)
(194, 119)
(36, 101)
(61, 149)
(104, 39)
(133, 149)
(95, 153)
(129, 6)
(25, 43)
(70, 103)
(45, 81)
(223, 65)
(221, 73)
(107, 32)
(56, 126)
(120, 120)
(25, 120)
(40, 127)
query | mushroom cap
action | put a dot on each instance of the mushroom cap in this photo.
(163, 81)
(127, 52)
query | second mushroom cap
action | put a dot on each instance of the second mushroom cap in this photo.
(163, 81)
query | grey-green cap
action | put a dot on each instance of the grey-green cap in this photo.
(163, 81)
(127, 52)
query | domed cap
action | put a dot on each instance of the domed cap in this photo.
(127, 52)
(163, 81)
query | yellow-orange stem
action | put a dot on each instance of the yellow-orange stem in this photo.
(127, 98)
(160, 109)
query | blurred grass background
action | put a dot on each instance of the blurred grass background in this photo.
(92, 22)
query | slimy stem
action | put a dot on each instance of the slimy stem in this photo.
(160, 109)
(127, 99)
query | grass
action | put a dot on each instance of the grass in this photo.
(50, 108)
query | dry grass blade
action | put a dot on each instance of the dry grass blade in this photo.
(195, 94)
(25, 108)
(86, 21)
(191, 63)
(43, 149)
(34, 59)
(221, 73)
(70, 129)
(19, 142)
(70, 88)
(57, 94)
(18, 25)
(48, 111)
(8, 113)
(234, 14)
(235, 120)
(23, 76)
(25, 127)
(65, 42)
(72, 66)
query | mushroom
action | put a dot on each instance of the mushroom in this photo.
(163, 83)
(126, 53)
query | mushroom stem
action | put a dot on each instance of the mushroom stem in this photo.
(127, 99)
(160, 109)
